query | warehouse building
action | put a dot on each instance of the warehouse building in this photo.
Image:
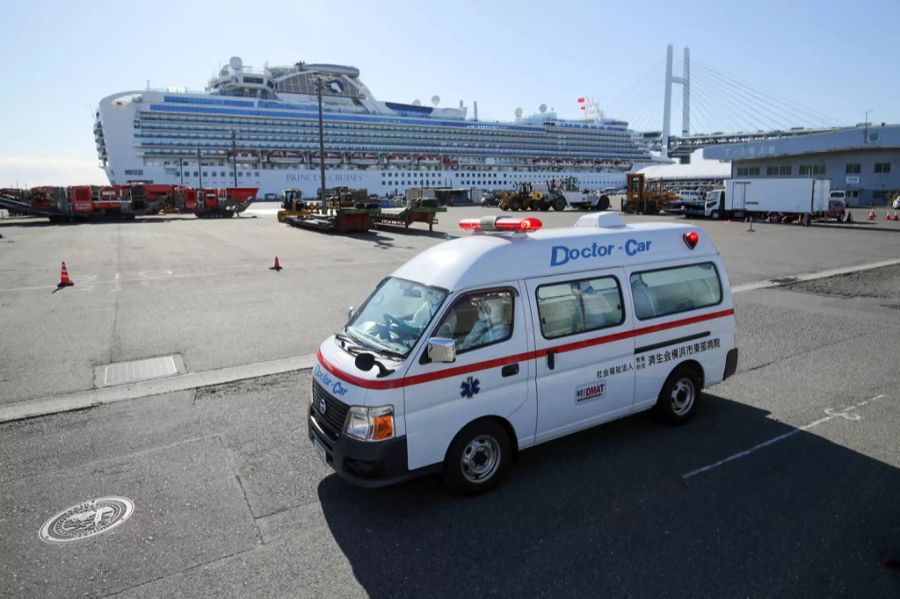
(864, 161)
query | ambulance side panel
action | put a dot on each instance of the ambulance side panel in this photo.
(495, 380)
(683, 314)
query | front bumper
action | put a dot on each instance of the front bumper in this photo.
(363, 463)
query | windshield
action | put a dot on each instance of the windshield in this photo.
(395, 316)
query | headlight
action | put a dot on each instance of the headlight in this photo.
(371, 424)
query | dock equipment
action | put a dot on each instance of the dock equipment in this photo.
(645, 197)
(347, 211)
(91, 202)
(292, 205)
(422, 210)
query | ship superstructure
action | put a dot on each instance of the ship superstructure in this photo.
(259, 128)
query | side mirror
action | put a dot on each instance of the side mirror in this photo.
(441, 349)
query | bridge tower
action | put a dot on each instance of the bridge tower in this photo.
(685, 81)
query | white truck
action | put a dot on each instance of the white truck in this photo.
(764, 198)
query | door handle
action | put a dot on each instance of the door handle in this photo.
(510, 370)
(551, 359)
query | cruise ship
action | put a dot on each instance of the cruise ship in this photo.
(260, 128)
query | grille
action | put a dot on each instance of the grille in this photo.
(332, 420)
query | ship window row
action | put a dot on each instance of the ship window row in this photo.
(394, 141)
(400, 142)
(354, 136)
(398, 149)
(296, 128)
(155, 123)
(594, 134)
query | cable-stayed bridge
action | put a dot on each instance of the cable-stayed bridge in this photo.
(716, 108)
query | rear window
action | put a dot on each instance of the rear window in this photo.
(579, 306)
(672, 290)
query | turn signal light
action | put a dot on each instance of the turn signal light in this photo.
(691, 239)
(384, 427)
(501, 223)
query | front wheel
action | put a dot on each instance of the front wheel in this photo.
(559, 204)
(714, 215)
(477, 458)
(677, 401)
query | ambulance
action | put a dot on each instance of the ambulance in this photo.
(513, 335)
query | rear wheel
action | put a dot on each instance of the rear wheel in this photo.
(515, 205)
(714, 215)
(504, 207)
(477, 458)
(559, 204)
(603, 203)
(677, 400)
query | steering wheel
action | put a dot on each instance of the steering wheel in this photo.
(397, 326)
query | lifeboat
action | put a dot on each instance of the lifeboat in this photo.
(285, 157)
(429, 160)
(330, 158)
(450, 161)
(361, 158)
(565, 162)
(542, 162)
(584, 162)
(244, 155)
(399, 159)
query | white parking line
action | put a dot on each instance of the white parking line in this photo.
(847, 414)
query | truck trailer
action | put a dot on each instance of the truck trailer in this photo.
(763, 198)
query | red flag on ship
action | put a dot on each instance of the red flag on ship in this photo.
(581, 100)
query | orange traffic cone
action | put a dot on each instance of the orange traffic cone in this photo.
(64, 280)
(871, 215)
(277, 265)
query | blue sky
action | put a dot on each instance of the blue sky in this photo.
(837, 59)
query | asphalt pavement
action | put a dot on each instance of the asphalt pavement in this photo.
(202, 291)
(786, 484)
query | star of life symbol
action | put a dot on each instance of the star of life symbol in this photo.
(469, 387)
(87, 519)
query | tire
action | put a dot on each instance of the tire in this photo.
(714, 215)
(545, 207)
(504, 207)
(477, 458)
(559, 204)
(677, 400)
(515, 205)
(603, 203)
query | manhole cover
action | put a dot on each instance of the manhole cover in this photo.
(87, 519)
(122, 373)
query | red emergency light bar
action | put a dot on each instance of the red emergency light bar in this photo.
(501, 223)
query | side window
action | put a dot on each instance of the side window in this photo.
(479, 319)
(672, 290)
(579, 306)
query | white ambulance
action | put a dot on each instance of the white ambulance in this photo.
(489, 344)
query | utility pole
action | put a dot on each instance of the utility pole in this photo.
(320, 85)
(199, 169)
(234, 155)
(181, 170)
